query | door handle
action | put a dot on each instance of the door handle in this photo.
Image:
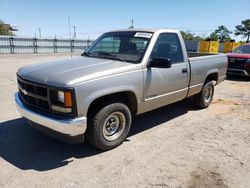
(184, 70)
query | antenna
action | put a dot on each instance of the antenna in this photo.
(132, 24)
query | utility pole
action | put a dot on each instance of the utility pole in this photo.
(70, 37)
(40, 32)
(69, 27)
(74, 27)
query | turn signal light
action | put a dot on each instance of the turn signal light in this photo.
(67, 99)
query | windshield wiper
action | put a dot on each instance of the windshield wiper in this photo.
(111, 55)
(86, 54)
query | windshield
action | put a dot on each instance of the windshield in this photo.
(242, 50)
(128, 46)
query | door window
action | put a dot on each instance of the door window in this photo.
(168, 46)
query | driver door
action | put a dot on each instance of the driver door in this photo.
(166, 85)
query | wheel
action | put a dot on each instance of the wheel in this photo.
(109, 126)
(204, 98)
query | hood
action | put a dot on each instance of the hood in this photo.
(243, 56)
(73, 71)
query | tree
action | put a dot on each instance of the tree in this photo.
(213, 37)
(189, 36)
(223, 33)
(243, 29)
(6, 29)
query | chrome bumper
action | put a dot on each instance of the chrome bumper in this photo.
(240, 72)
(68, 127)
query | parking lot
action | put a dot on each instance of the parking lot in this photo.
(174, 146)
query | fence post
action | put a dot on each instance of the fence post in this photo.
(12, 46)
(71, 46)
(35, 45)
(55, 45)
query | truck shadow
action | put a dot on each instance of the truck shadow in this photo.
(25, 148)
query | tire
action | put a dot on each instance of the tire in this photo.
(204, 98)
(109, 126)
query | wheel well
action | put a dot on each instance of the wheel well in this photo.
(126, 97)
(212, 77)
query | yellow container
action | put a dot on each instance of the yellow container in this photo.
(209, 46)
(230, 46)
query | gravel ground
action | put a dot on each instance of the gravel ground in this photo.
(174, 146)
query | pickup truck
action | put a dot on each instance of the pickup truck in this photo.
(122, 74)
(239, 61)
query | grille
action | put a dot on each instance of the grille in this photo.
(39, 97)
(236, 63)
(33, 94)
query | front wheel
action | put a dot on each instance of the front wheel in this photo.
(204, 98)
(110, 126)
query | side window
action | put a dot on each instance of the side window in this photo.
(110, 44)
(168, 46)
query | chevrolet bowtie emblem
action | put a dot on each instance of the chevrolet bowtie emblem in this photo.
(24, 91)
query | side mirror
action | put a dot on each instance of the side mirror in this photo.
(160, 63)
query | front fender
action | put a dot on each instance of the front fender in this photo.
(89, 91)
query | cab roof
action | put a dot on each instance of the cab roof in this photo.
(145, 30)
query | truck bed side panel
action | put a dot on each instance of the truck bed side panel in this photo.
(203, 66)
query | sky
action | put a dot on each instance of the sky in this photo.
(93, 17)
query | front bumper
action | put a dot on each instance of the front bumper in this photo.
(68, 127)
(240, 72)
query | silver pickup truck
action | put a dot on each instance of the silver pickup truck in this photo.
(122, 74)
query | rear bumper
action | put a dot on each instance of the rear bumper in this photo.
(240, 72)
(68, 127)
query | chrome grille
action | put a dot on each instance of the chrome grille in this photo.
(236, 63)
(33, 94)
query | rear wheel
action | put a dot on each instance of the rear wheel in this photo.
(204, 98)
(109, 126)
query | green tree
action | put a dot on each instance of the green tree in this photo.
(223, 33)
(243, 29)
(5, 30)
(213, 37)
(189, 36)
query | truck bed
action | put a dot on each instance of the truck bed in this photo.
(198, 54)
(203, 64)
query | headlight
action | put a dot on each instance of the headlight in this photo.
(60, 96)
(247, 63)
(65, 97)
(61, 101)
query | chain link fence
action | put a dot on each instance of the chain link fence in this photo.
(16, 45)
